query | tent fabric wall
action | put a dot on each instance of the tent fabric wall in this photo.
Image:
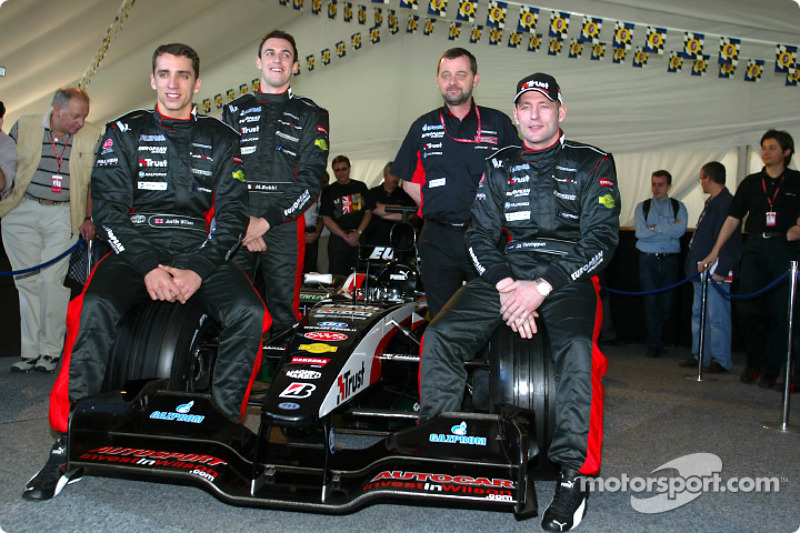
(647, 118)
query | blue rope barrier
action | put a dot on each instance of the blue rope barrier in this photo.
(759, 292)
(643, 293)
(45, 264)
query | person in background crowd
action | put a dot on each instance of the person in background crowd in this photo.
(314, 227)
(660, 224)
(47, 208)
(8, 156)
(388, 193)
(346, 213)
(770, 200)
(717, 346)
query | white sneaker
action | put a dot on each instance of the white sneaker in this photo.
(47, 363)
(26, 365)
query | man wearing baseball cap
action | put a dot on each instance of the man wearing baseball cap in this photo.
(559, 203)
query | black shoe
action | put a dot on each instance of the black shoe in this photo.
(766, 382)
(715, 368)
(568, 506)
(748, 375)
(53, 477)
(689, 362)
(653, 351)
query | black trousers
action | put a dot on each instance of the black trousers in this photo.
(342, 257)
(572, 315)
(280, 269)
(444, 264)
(115, 287)
(765, 318)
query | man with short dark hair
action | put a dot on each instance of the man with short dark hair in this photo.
(285, 152)
(346, 212)
(47, 208)
(170, 199)
(559, 204)
(387, 194)
(660, 223)
(441, 161)
(717, 345)
(770, 200)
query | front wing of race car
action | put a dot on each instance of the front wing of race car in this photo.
(456, 460)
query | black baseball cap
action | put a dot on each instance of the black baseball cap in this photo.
(540, 82)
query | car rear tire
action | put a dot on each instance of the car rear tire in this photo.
(164, 340)
(522, 375)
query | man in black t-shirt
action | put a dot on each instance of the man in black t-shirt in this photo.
(771, 201)
(346, 213)
(386, 194)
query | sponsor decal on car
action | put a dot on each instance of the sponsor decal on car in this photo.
(181, 414)
(318, 347)
(145, 457)
(495, 489)
(329, 336)
(333, 325)
(458, 436)
(316, 361)
(298, 390)
(349, 383)
(288, 406)
(303, 374)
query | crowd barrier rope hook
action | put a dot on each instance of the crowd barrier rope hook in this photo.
(784, 425)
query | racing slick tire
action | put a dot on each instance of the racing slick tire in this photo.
(521, 374)
(164, 340)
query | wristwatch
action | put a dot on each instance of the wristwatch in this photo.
(543, 287)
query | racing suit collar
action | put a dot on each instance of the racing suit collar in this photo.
(273, 98)
(530, 154)
(175, 123)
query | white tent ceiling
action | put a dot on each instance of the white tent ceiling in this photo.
(647, 117)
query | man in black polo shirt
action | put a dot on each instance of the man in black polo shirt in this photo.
(387, 194)
(441, 159)
(771, 201)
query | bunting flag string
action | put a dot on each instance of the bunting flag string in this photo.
(632, 43)
(111, 33)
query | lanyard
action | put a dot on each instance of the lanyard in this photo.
(476, 140)
(774, 196)
(59, 158)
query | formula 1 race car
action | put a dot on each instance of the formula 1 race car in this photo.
(337, 426)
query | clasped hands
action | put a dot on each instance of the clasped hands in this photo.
(170, 284)
(519, 301)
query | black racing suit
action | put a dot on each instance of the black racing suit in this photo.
(445, 156)
(285, 152)
(168, 192)
(560, 207)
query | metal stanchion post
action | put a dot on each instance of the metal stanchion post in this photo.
(89, 258)
(702, 341)
(784, 423)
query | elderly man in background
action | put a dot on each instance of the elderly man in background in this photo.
(48, 206)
